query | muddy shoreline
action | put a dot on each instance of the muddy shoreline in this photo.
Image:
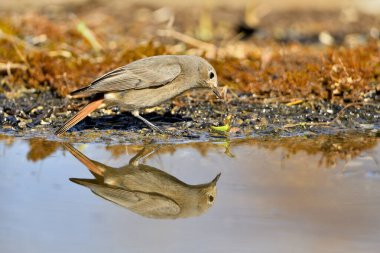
(188, 118)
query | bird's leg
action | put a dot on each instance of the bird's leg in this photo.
(151, 125)
(142, 154)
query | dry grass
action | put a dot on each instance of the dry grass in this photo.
(42, 52)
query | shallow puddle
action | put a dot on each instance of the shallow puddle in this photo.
(317, 194)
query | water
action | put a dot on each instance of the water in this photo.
(319, 194)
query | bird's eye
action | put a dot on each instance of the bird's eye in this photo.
(210, 198)
(211, 75)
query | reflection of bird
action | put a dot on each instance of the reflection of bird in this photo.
(146, 83)
(146, 190)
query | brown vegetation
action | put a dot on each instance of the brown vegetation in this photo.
(64, 52)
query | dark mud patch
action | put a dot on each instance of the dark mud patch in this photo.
(188, 118)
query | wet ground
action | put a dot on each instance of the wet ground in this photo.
(189, 118)
(299, 194)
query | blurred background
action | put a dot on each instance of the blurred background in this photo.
(365, 5)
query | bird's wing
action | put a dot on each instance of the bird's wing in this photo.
(145, 73)
(146, 204)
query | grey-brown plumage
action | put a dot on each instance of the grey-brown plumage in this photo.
(146, 190)
(146, 83)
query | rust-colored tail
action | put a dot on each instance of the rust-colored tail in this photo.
(93, 166)
(90, 107)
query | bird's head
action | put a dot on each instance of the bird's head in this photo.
(208, 77)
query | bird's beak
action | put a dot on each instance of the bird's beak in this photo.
(216, 92)
(215, 180)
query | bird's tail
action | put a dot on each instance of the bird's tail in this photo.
(96, 168)
(90, 107)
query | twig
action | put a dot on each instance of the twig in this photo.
(18, 52)
(62, 53)
(85, 31)
(8, 67)
(343, 66)
(290, 125)
(296, 102)
(340, 113)
(188, 40)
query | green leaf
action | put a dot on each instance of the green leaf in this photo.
(226, 127)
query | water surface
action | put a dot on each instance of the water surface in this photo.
(319, 194)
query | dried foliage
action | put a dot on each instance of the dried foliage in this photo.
(330, 148)
(39, 149)
(58, 51)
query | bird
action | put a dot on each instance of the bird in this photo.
(145, 190)
(145, 83)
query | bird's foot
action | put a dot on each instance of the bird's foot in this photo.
(156, 129)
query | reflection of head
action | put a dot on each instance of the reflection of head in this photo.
(207, 194)
(146, 190)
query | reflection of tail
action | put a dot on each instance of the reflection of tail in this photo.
(91, 165)
(90, 107)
